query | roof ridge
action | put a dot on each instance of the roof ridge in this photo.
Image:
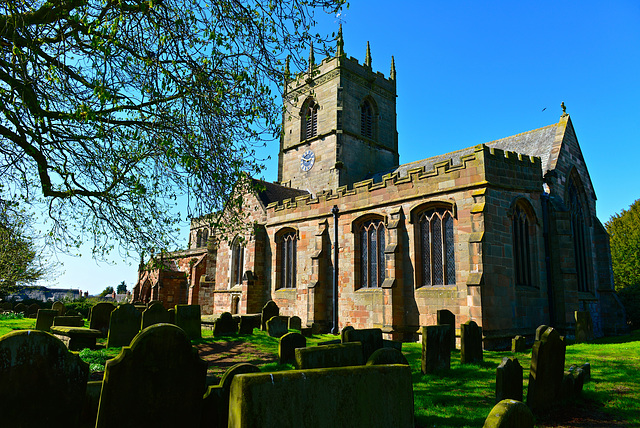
(522, 133)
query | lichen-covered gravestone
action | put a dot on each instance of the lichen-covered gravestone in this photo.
(584, 327)
(518, 344)
(41, 382)
(225, 325)
(32, 310)
(158, 381)
(470, 343)
(509, 414)
(547, 369)
(247, 324)
(288, 345)
(44, 321)
(370, 338)
(343, 333)
(269, 310)
(295, 323)
(188, 319)
(154, 314)
(509, 380)
(125, 324)
(59, 306)
(445, 316)
(100, 315)
(387, 356)
(278, 326)
(436, 351)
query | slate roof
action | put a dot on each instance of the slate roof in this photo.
(271, 192)
(538, 142)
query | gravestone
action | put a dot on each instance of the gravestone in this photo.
(278, 326)
(20, 308)
(519, 344)
(470, 343)
(572, 384)
(99, 317)
(124, 325)
(307, 331)
(269, 310)
(547, 369)
(225, 325)
(33, 309)
(59, 306)
(509, 380)
(343, 333)
(540, 331)
(215, 408)
(509, 414)
(71, 313)
(41, 382)
(288, 345)
(320, 357)
(584, 327)
(188, 319)
(45, 319)
(370, 338)
(172, 315)
(586, 369)
(295, 323)
(6, 306)
(436, 351)
(154, 314)
(68, 321)
(247, 324)
(158, 380)
(387, 356)
(445, 316)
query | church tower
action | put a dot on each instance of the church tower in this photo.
(339, 124)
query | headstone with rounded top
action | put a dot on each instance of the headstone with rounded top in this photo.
(154, 314)
(269, 310)
(370, 338)
(225, 325)
(41, 382)
(343, 333)
(59, 306)
(158, 380)
(20, 308)
(278, 326)
(6, 306)
(509, 414)
(387, 356)
(33, 309)
(470, 343)
(100, 316)
(295, 323)
(288, 345)
(124, 325)
(445, 316)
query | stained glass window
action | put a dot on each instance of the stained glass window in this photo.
(437, 255)
(372, 263)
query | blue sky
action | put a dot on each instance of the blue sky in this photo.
(470, 72)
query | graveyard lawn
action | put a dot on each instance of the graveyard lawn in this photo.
(12, 323)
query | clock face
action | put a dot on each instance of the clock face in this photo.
(307, 160)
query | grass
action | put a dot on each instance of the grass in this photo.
(464, 395)
(10, 322)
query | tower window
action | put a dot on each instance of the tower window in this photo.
(310, 120)
(366, 120)
(437, 257)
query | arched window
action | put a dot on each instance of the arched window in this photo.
(372, 245)
(287, 254)
(205, 237)
(199, 239)
(581, 241)
(437, 261)
(522, 253)
(237, 262)
(366, 120)
(309, 119)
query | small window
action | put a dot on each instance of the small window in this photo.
(372, 260)
(436, 248)
(237, 262)
(366, 120)
(522, 253)
(310, 120)
(288, 254)
(205, 237)
(198, 239)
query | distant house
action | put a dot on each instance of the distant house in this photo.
(44, 294)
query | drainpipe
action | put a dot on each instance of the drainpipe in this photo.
(335, 211)
(547, 255)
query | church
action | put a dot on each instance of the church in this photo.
(503, 233)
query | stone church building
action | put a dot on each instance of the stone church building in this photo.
(503, 233)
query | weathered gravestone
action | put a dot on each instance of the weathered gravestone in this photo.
(99, 317)
(509, 414)
(295, 323)
(269, 310)
(68, 321)
(59, 306)
(215, 408)
(445, 316)
(584, 327)
(278, 326)
(436, 348)
(32, 310)
(247, 324)
(20, 308)
(124, 325)
(470, 343)
(288, 345)
(509, 380)
(6, 306)
(172, 315)
(547, 369)
(387, 356)
(41, 382)
(540, 331)
(572, 384)
(519, 344)
(586, 370)
(343, 333)
(225, 325)
(158, 381)
(370, 338)
(154, 314)
(340, 355)
(188, 319)
(44, 321)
